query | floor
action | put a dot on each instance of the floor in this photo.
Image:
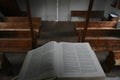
(50, 31)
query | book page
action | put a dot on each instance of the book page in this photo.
(77, 60)
(39, 63)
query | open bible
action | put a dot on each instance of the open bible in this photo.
(61, 60)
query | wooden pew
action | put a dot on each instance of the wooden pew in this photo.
(36, 22)
(16, 43)
(104, 44)
(103, 39)
(11, 26)
(95, 25)
(94, 14)
(101, 35)
(15, 37)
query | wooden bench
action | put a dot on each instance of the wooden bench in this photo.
(23, 20)
(15, 41)
(102, 36)
(15, 37)
(100, 33)
(94, 14)
(93, 25)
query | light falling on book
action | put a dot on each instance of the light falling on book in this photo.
(62, 60)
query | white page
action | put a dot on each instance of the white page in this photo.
(39, 63)
(77, 60)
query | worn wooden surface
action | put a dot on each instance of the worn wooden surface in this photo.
(22, 19)
(104, 43)
(10, 26)
(15, 45)
(96, 28)
(96, 24)
(15, 37)
(36, 22)
(15, 41)
(94, 14)
(102, 35)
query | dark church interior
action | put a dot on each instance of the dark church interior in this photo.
(29, 24)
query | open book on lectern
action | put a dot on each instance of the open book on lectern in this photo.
(61, 60)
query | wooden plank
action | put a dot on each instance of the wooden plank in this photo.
(22, 19)
(15, 34)
(15, 45)
(14, 37)
(78, 13)
(97, 33)
(13, 26)
(35, 20)
(96, 24)
(112, 44)
(103, 33)
(94, 14)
